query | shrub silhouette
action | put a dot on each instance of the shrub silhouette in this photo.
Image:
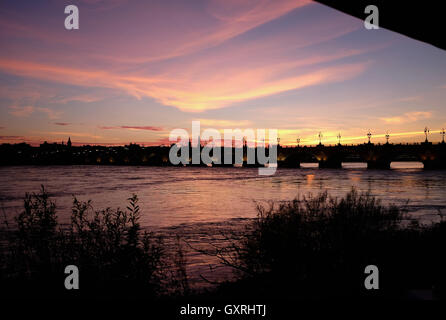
(309, 247)
(114, 256)
(318, 247)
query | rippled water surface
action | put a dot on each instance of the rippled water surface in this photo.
(173, 196)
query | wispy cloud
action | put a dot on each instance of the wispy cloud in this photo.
(12, 137)
(199, 95)
(69, 134)
(218, 123)
(86, 98)
(62, 123)
(148, 128)
(188, 72)
(225, 20)
(21, 111)
(25, 111)
(408, 117)
(198, 26)
(50, 113)
(409, 99)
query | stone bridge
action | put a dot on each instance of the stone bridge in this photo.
(433, 156)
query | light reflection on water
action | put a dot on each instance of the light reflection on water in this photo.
(173, 196)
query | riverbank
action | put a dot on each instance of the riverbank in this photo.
(315, 246)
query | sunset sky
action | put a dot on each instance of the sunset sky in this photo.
(135, 70)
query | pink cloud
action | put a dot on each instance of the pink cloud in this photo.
(50, 113)
(207, 92)
(408, 117)
(148, 128)
(199, 79)
(26, 111)
(196, 27)
(12, 137)
(69, 134)
(21, 111)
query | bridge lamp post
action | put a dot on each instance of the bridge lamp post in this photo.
(426, 133)
(320, 138)
(387, 137)
(369, 135)
(298, 141)
(442, 135)
(339, 138)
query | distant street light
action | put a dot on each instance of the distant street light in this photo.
(320, 137)
(298, 141)
(339, 138)
(387, 137)
(426, 133)
(369, 135)
(442, 134)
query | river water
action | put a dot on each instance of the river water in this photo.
(172, 196)
(200, 204)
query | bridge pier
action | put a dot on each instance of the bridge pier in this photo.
(378, 164)
(292, 160)
(434, 164)
(251, 165)
(288, 164)
(330, 164)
